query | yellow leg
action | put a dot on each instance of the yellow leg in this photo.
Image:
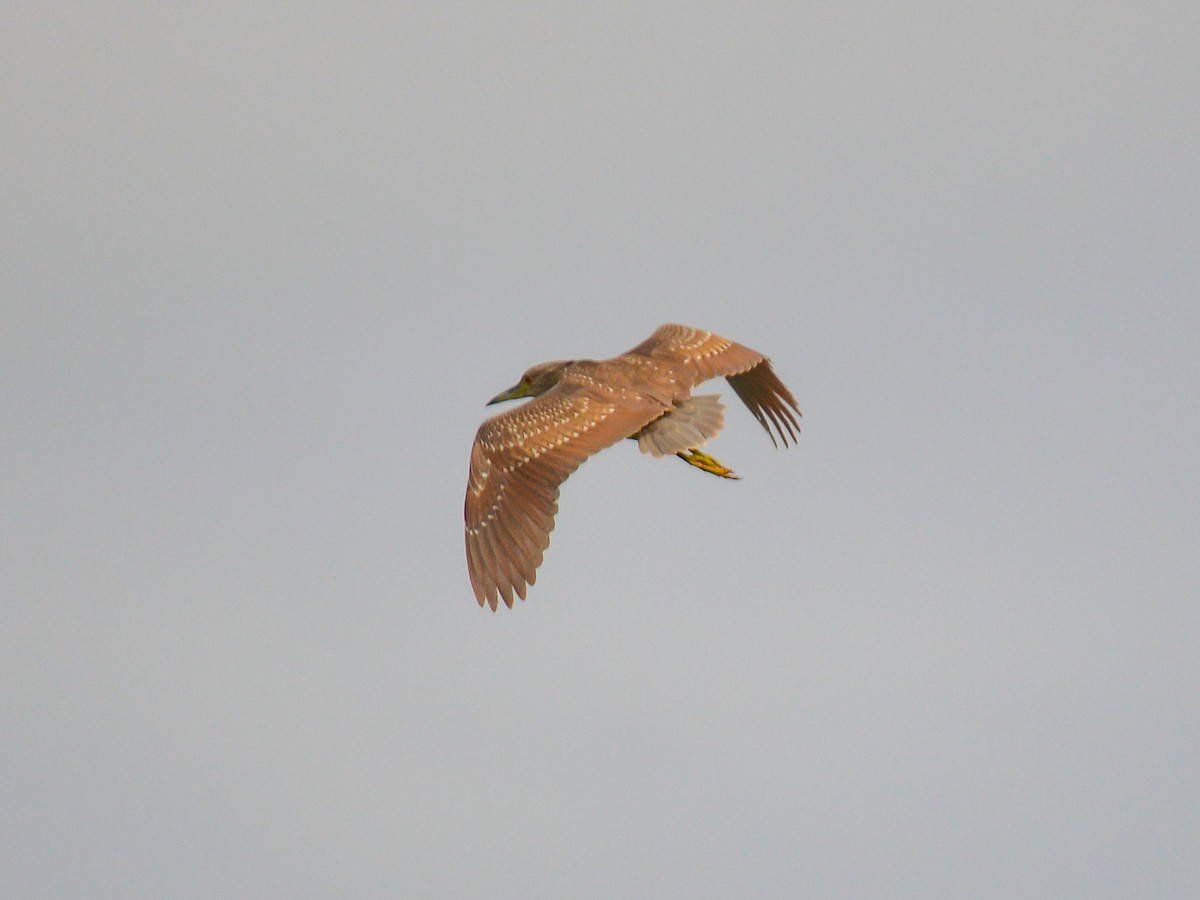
(703, 461)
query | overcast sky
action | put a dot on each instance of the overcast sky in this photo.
(263, 265)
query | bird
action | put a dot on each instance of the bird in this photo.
(521, 457)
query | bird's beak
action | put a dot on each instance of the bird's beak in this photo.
(513, 393)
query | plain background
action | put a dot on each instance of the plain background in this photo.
(262, 265)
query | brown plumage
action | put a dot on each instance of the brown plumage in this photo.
(521, 457)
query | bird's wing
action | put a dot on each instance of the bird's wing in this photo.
(518, 461)
(703, 355)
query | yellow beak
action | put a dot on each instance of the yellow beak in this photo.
(513, 393)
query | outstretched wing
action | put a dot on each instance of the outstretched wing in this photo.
(703, 355)
(518, 461)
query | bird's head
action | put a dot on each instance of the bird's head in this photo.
(535, 381)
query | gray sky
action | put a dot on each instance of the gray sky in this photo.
(263, 266)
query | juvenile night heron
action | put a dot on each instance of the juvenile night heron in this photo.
(580, 406)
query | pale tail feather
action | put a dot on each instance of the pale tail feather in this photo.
(691, 423)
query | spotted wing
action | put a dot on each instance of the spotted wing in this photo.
(703, 355)
(518, 461)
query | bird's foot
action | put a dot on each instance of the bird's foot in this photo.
(703, 461)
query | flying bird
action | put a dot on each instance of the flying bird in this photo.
(580, 406)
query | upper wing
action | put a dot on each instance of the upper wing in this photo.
(518, 461)
(705, 355)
